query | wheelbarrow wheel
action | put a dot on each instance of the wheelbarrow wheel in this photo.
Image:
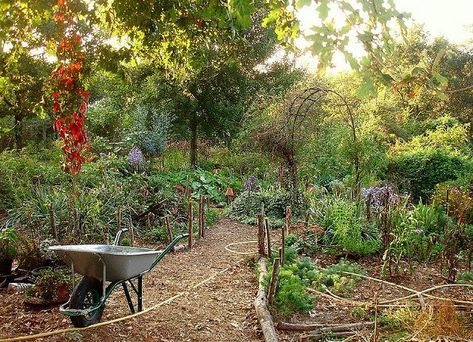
(87, 294)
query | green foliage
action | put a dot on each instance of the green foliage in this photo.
(346, 229)
(151, 130)
(7, 196)
(465, 278)
(212, 216)
(459, 200)
(292, 294)
(8, 244)
(333, 277)
(296, 275)
(248, 204)
(416, 235)
(201, 182)
(52, 285)
(434, 157)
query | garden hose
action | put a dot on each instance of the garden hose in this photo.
(120, 319)
(227, 247)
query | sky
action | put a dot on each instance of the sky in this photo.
(452, 19)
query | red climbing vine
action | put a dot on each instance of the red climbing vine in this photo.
(69, 97)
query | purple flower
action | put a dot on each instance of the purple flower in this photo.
(135, 157)
(377, 197)
(252, 184)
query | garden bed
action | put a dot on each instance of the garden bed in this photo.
(392, 322)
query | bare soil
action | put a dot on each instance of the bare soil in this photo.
(220, 310)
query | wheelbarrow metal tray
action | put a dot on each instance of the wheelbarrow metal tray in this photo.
(121, 262)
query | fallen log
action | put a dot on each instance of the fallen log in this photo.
(261, 306)
(324, 327)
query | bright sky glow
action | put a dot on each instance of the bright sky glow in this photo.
(452, 19)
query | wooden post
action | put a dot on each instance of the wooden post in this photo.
(53, 222)
(288, 219)
(132, 234)
(148, 221)
(119, 218)
(189, 223)
(204, 200)
(201, 221)
(274, 280)
(169, 231)
(283, 247)
(260, 224)
(268, 237)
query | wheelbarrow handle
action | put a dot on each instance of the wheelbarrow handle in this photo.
(168, 248)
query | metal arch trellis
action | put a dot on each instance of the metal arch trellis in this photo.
(299, 108)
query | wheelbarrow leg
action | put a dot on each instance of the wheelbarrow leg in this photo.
(140, 293)
(128, 298)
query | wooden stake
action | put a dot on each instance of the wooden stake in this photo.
(119, 218)
(169, 231)
(260, 223)
(203, 215)
(53, 222)
(274, 280)
(132, 234)
(189, 223)
(201, 222)
(268, 236)
(283, 248)
(148, 221)
(288, 220)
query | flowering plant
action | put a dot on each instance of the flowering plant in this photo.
(252, 184)
(135, 158)
(69, 97)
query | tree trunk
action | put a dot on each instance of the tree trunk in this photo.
(292, 165)
(18, 142)
(193, 145)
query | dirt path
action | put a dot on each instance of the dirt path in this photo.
(220, 310)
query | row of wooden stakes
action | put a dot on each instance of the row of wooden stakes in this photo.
(264, 246)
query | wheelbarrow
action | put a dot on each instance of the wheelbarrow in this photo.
(104, 268)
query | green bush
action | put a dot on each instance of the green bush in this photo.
(246, 206)
(437, 155)
(202, 182)
(346, 229)
(418, 172)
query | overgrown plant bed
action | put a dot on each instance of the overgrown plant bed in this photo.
(419, 317)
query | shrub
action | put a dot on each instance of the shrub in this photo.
(246, 206)
(419, 171)
(52, 285)
(151, 130)
(436, 156)
(347, 231)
